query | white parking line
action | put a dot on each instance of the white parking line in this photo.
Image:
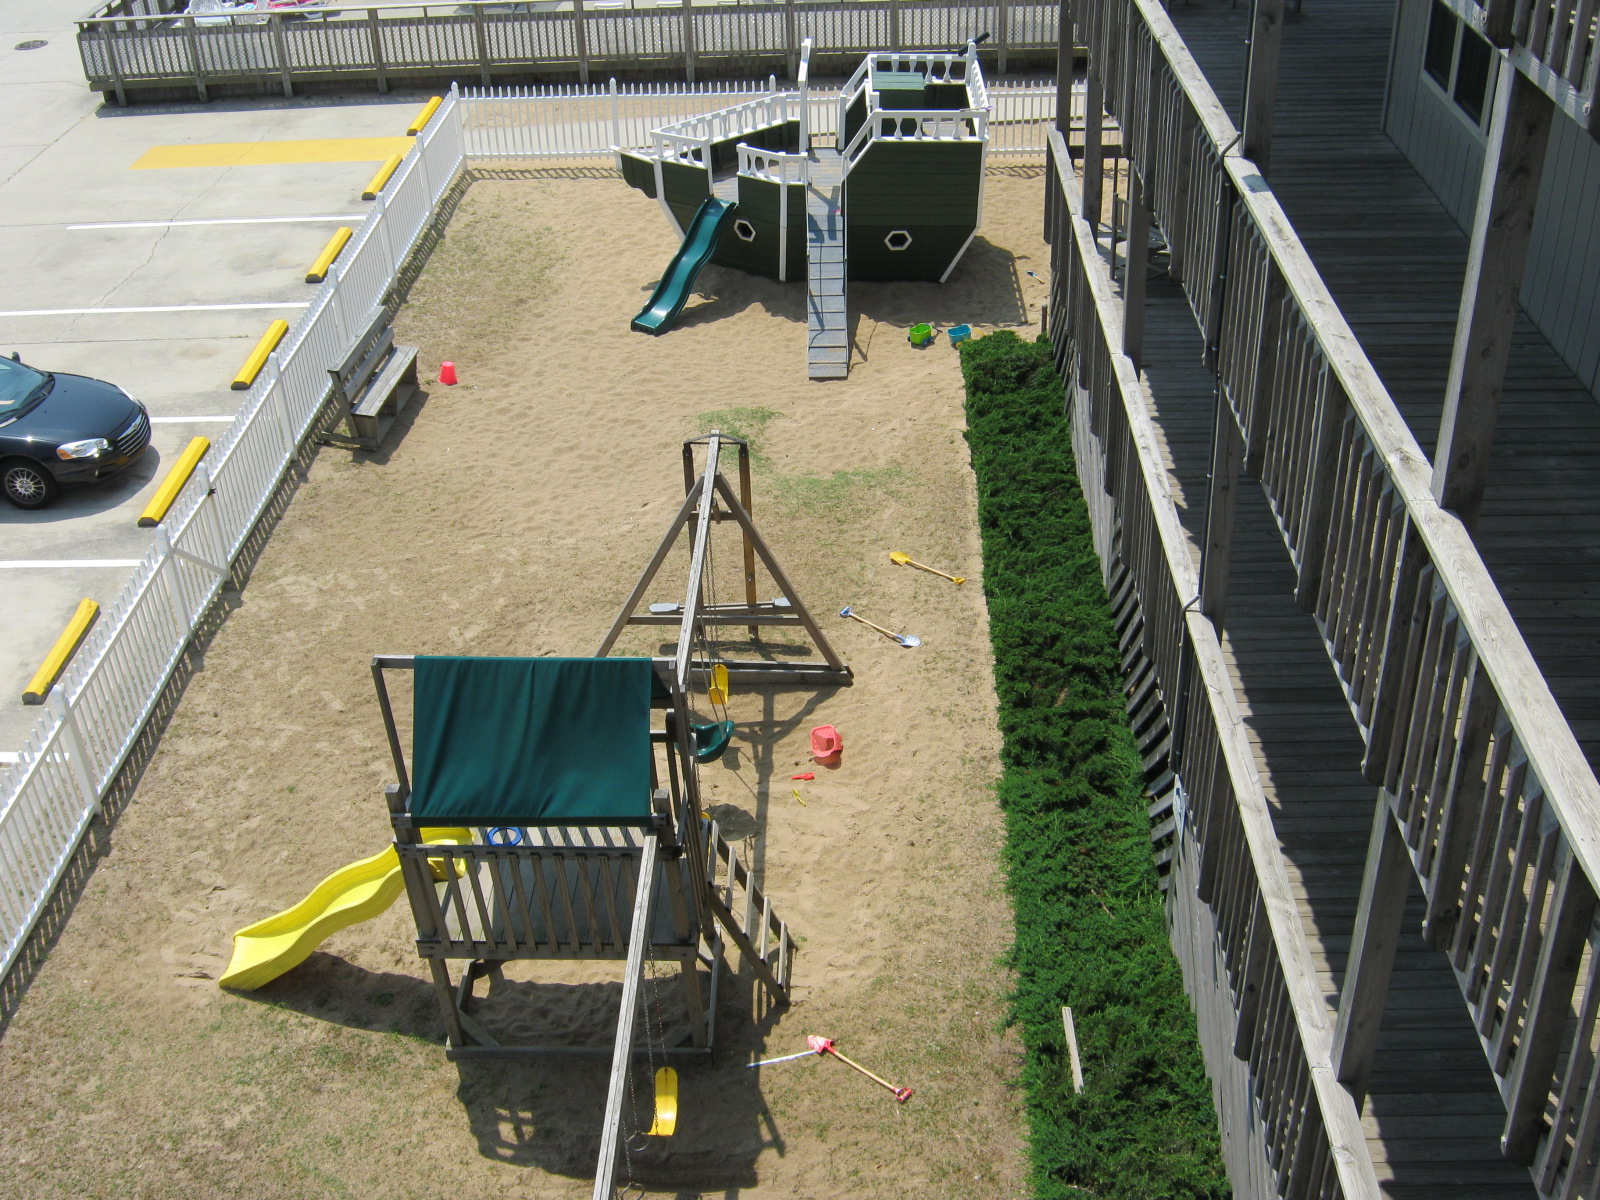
(152, 308)
(185, 420)
(220, 221)
(34, 564)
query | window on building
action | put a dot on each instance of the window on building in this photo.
(1459, 61)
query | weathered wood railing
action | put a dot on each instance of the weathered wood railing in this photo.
(1498, 806)
(1555, 43)
(1293, 1130)
(129, 48)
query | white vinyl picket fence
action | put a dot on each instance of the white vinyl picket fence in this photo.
(578, 121)
(103, 700)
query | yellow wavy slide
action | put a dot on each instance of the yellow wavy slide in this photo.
(358, 892)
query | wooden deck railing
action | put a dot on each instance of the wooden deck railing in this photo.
(1555, 43)
(130, 45)
(1297, 1132)
(1497, 803)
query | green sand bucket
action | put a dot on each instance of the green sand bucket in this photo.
(920, 335)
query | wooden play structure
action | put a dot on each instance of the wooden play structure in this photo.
(579, 779)
(897, 196)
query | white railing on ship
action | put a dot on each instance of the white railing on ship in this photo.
(917, 125)
(737, 119)
(681, 148)
(771, 165)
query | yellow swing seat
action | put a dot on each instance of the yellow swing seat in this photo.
(666, 1122)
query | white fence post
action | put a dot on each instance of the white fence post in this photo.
(167, 568)
(73, 748)
(616, 118)
(277, 400)
(380, 212)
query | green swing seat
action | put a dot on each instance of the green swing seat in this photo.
(711, 740)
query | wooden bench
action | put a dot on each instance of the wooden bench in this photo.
(373, 382)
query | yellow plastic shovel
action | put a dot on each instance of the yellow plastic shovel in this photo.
(903, 559)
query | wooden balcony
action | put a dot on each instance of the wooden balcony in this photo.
(1418, 702)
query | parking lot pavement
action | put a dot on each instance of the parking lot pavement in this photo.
(65, 161)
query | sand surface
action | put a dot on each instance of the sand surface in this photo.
(510, 515)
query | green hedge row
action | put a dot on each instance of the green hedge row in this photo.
(1089, 924)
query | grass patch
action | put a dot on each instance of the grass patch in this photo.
(747, 424)
(1090, 931)
(842, 494)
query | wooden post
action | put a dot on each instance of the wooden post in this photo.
(688, 42)
(1261, 80)
(1499, 15)
(622, 1046)
(1002, 34)
(581, 39)
(1372, 947)
(1064, 70)
(377, 50)
(194, 58)
(1094, 121)
(894, 24)
(1513, 162)
(1135, 266)
(1227, 457)
(108, 34)
(1572, 905)
(792, 41)
(283, 54)
(482, 37)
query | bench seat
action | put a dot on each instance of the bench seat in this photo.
(373, 383)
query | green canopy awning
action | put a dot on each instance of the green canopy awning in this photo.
(531, 741)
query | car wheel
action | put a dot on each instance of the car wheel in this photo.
(27, 484)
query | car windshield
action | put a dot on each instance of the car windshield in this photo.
(18, 386)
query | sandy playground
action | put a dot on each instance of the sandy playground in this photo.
(510, 515)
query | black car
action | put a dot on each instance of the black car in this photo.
(60, 430)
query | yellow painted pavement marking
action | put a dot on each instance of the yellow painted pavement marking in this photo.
(259, 154)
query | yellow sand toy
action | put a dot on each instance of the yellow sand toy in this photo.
(358, 892)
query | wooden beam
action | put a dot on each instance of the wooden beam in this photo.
(1261, 80)
(1094, 159)
(1064, 67)
(1227, 458)
(622, 1049)
(1377, 933)
(1499, 16)
(1135, 268)
(1507, 193)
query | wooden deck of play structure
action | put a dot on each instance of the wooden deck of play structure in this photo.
(1393, 260)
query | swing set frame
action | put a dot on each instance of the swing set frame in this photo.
(709, 499)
